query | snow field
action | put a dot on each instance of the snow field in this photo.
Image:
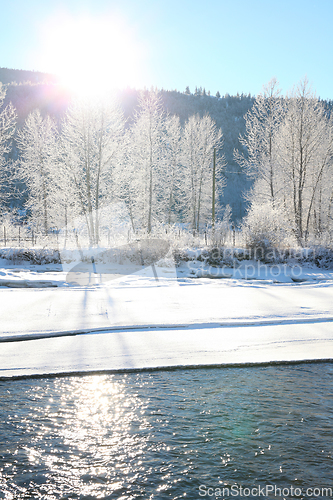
(167, 317)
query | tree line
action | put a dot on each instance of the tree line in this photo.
(160, 165)
(288, 151)
(227, 111)
(159, 169)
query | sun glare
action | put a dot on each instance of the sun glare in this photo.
(92, 56)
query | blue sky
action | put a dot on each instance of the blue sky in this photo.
(230, 46)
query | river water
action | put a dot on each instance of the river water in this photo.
(169, 434)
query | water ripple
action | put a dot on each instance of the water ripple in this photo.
(163, 434)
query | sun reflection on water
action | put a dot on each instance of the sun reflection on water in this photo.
(89, 440)
(161, 435)
(101, 432)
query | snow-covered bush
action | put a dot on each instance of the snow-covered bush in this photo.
(266, 227)
(38, 256)
(219, 234)
(320, 256)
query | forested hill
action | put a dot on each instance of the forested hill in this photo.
(8, 75)
(30, 90)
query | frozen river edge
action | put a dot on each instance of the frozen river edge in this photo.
(142, 349)
(138, 324)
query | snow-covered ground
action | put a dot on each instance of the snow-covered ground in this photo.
(163, 317)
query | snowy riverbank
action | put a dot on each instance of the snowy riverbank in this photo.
(167, 317)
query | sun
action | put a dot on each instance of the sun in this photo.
(92, 56)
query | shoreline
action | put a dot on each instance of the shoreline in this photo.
(168, 369)
(136, 350)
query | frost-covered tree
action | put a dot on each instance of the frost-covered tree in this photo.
(146, 161)
(174, 181)
(128, 186)
(290, 155)
(92, 146)
(37, 142)
(200, 137)
(7, 129)
(304, 145)
(258, 159)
